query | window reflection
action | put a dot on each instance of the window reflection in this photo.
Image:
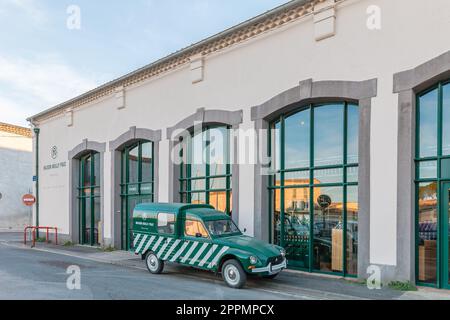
(428, 232)
(428, 170)
(205, 175)
(277, 143)
(136, 185)
(87, 172)
(335, 175)
(353, 134)
(328, 135)
(198, 165)
(352, 230)
(89, 199)
(446, 120)
(147, 162)
(428, 124)
(218, 150)
(133, 162)
(297, 140)
(218, 200)
(322, 182)
(328, 230)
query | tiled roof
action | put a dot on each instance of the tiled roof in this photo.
(266, 22)
(21, 131)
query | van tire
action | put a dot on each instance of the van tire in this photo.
(233, 274)
(154, 265)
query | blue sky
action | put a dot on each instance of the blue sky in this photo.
(43, 63)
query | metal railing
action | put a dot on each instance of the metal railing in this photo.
(34, 230)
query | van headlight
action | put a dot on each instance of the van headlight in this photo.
(283, 253)
(253, 260)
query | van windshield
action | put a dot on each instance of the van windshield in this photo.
(220, 228)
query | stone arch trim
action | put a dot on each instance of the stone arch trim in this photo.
(133, 135)
(407, 85)
(307, 92)
(116, 147)
(86, 146)
(222, 117)
(74, 159)
(230, 118)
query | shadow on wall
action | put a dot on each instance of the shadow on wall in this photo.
(16, 171)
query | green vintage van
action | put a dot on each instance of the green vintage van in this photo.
(201, 237)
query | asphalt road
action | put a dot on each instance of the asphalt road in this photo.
(27, 274)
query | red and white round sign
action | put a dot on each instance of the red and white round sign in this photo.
(28, 200)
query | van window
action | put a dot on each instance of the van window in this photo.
(166, 223)
(194, 228)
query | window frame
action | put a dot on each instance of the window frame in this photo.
(125, 195)
(439, 179)
(185, 178)
(94, 193)
(312, 169)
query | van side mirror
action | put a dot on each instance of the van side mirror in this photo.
(245, 230)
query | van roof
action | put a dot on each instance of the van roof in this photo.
(207, 214)
(173, 207)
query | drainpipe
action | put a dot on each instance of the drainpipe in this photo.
(37, 131)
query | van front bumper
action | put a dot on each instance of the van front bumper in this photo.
(272, 269)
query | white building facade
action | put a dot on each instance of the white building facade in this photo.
(333, 104)
(16, 149)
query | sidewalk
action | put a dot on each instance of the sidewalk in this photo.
(289, 282)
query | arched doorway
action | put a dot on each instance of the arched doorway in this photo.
(314, 189)
(137, 184)
(433, 186)
(89, 197)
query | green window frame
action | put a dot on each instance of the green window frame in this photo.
(440, 174)
(88, 192)
(188, 192)
(280, 173)
(136, 189)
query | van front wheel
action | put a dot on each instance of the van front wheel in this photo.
(233, 274)
(154, 265)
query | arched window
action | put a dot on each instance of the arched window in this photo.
(205, 174)
(137, 184)
(89, 198)
(315, 187)
(432, 184)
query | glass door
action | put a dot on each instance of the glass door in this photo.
(445, 243)
(89, 200)
(137, 185)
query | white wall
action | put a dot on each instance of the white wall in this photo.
(15, 180)
(251, 73)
